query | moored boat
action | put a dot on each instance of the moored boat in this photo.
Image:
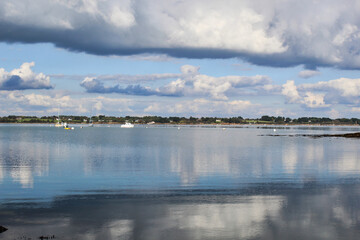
(66, 127)
(127, 125)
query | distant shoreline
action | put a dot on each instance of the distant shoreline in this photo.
(223, 121)
(191, 124)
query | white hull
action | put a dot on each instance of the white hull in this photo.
(59, 125)
(127, 125)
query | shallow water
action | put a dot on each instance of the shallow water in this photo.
(170, 182)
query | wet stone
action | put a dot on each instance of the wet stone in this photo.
(2, 229)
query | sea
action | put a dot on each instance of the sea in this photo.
(179, 182)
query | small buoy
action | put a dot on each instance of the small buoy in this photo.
(274, 130)
(224, 128)
(178, 128)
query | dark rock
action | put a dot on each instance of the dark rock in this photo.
(47, 237)
(2, 229)
(345, 135)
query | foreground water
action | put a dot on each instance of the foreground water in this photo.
(178, 183)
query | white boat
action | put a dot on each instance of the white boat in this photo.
(58, 124)
(66, 127)
(127, 125)
(90, 122)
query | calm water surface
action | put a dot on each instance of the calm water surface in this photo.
(179, 183)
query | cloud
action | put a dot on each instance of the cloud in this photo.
(23, 78)
(19, 103)
(215, 87)
(307, 99)
(93, 85)
(123, 78)
(241, 67)
(334, 114)
(323, 94)
(152, 57)
(190, 83)
(338, 91)
(189, 69)
(355, 109)
(308, 73)
(203, 107)
(345, 87)
(271, 33)
(290, 91)
(313, 100)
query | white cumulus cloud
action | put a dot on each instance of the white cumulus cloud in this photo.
(323, 93)
(20, 103)
(203, 107)
(346, 87)
(290, 91)
(190, 83)
(313, 100)
(308, 99)
(23, 78)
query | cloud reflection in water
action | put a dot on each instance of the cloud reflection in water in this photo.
(313, 212)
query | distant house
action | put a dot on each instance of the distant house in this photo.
(218, 120)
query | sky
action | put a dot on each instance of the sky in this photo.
(180, 58)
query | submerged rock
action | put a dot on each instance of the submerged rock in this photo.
(47, 237)
(345, 135)
(3, 229)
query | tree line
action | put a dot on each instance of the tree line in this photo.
(179, 120)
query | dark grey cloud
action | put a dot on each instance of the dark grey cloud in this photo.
(95, 86)
(14, 82)
(270, 33)
(17, 83)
